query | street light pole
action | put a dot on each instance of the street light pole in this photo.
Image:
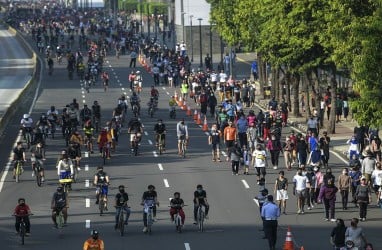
(191, 39)
(200, 41)
(212, 61)
(140, 12)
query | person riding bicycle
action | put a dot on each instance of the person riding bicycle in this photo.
(160, 130)
(135, 101)
(43, 123)
(52, 115)
(85, 114)
(105, 78)
(177, 205)
(182, 134)
(101, 181)
(18, 156)
(22, 211)
(104, 140)
(89, 131)
(65, 169)
(149, 199)
(154, 93)
(200, 197)
(172, 103)
(58, 204)
(135, 130)
(121, 200)
(37, 157)
(152, 103)
(96, 112)
(76, 142)
(94, 243)
(50, 62)
(26, 124)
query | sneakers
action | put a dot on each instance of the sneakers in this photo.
(333, 220)
(326, 219)
(27, 234)
(302, 212)
(155, 219)
(195, 222)
(78, 168)
(42, 179)
(299, 211)
(97, 202)
(362, 219)
(274, 167)
(309, 208)
(115, 226)
(144, 230)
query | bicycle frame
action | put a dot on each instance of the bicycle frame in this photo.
(121, 220)
(149, 217)
(200, 217)
(160, 143)
(18, 171)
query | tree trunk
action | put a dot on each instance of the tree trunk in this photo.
(287, 82)
(296, 84)
(262, 73)
(332, 117)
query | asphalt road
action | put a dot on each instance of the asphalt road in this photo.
(234, 221)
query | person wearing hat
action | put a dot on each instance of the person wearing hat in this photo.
(94, 243)
(363, 196)
(270, 212)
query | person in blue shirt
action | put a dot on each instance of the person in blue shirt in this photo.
(270, 212)
(242, 126)
(254, 70)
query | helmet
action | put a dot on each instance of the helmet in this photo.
(60, 189)
(26, 116)
(94, 234)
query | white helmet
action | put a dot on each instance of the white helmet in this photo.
(26, 116)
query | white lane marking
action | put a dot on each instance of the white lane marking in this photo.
(224, 154)
(207, 134)
(87, 183)
(83, 96)
(143, 125)
(146, 133)
(160, 166)
(150, 142)
(123, 89)
(83, 92)
(86, 154)
(167, 93)
(155, 153)
(187, 246)
(257, 202)
(86, 167)
(163, 88)
(166, 183)
(87, 223)
(83, 101)
(245, 184)
(87, 202)
(125, 94)
(116, 77)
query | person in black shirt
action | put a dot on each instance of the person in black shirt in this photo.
(337, 237)
(214, 141)
(101, 181)
(18, 155)
(200, 197)
(160, 129)
(149, 199)
(38, 156)
(59, 203)
(121, 200)
(177, 205)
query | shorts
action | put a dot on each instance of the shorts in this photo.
(132, 136)
(103, 189)
(301, 193)
(215, 146)
(65, 175)
(229, 143)
(260, 170)
(181, 138)
(376, 188)
(281, 195)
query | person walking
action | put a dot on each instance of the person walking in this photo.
(259, 162)
(281, 187)
(274, 147)
(355, 234)
(328, 196)
(299, 189)
(270, 212)
(376, 179)
(368, 165)
(235, 156)
(324, 147)
(133, 59)
(363, 196)
(337, 237)
(288, 147)
(344, 185)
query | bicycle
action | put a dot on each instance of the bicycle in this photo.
(149, 217)
(151, 111)
(28, 137)
(66, 184)
(178, 220)
(22, 228)
(121, 219)
(37, 168)
(200, 216)
(135, 110)
(102, 205)
(183, 147)
(19, 170)
(173, 113)
(160, 143)
(135, 145)
(59, 218)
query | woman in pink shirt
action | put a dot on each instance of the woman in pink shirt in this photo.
(319, 182)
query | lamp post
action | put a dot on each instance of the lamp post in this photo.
(148, 21)
(191, 39)
(200, 41)
(140, 13)
(212, 62)
(182, 21)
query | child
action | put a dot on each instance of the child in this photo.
(247, 158)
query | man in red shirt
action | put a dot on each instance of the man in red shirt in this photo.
(22, 211)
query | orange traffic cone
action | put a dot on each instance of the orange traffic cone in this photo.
(188, 111)
(199, 121)
(176, 96)
(184, 106)
(195, 115)
(205, 125)
(288, 244)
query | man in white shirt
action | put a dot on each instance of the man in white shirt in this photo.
(299, 189)
(183, 49)
(376, 178)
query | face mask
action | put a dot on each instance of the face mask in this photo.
(200, 190)
(182, 123)
(122, 190)
(159, 123)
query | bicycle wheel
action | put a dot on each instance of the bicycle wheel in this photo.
(28, 139)
(201, 220)
(121, 223)
(184, 149)
(178, 224)
(101, 204)
(38, 176)
(60, 220)
(22, 232)
(149, 221)
(18, 172)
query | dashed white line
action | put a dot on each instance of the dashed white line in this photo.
(83, 101)
(123, 89)
(87, 183)
(167, 93)
(150, 142)
(86, 154)
(187, 246)
(245, 184)
(86, 167)
(87, 202)
(163, 88)
(166, 183)
(146, 133)
(160, 166)
(155, 153)
(87, 223)
(257, 202)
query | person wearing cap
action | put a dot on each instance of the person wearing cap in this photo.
(94, 242)
(270, 212)
(363, 196)
(281, 187)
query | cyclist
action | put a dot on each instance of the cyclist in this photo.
(89, 130)
(160, 129)
(122, 102)
(152, 103)
(76, 142)
(64, 167)
(177, 205)
(149, 199)
(43, 123)
(135, 100)
(52, 115)
(101, 181)
(38, 156)
(50, 64)
(18, 156)
(85, 114)
(200, 197)
(121, 200)
(94, 243)
(26, 124)
(135, 130)
(154, 93)
(22, 211)
(58, 204)
(104, 140)
(182, 133)
(96, 112)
